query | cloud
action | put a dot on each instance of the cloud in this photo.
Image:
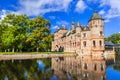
(55, 27)
(62, 22)
(59, 24)
(107, 20)
(4, 12)
(102, 12)
(40, 7)
(52, 17)
(80, 6)
(110, 8)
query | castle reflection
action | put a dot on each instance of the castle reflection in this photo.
(81, 68)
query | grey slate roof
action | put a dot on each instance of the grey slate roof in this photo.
(95, 16)
(109, 43)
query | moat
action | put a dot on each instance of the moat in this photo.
(62, 68)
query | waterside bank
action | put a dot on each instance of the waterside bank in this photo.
(33, 56)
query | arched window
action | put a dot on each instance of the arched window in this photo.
(95, 67)
(84, 43)
(84, 35)
(94, 44)
(100, 43)
(101, 33)
(102, 67)
(85, 66)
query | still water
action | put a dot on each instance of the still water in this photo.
(62, 68)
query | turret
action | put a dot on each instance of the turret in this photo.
(78, 24)
(73, 25)
(96, 24)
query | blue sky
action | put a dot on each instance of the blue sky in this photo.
(63, 11)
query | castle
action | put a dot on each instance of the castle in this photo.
(81, 39)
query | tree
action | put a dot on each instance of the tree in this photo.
(115, 38)
(14, 31)
(18, 32)
(40, 37)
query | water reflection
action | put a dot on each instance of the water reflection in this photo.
(81, 68)
(59, 68)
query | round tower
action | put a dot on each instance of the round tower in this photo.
(96, 24)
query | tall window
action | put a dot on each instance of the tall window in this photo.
(94, 44)
(84, 43)
(85, 66)
(101, 33)
(102, 67)
(84, 35)
(100, 43)
(95, 67)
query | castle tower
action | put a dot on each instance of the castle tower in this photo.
(96, 24)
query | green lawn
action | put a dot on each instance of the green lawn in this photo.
(34, 52)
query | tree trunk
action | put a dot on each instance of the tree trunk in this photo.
(20, 50)
(13, 50)
(5, 50)
(37, 49)
(17, 50)
(8, 50)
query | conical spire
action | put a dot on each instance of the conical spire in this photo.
(73, 24)
(78, 24)
(95, 15)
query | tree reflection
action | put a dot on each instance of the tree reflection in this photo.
(25, 69)
(58, 68)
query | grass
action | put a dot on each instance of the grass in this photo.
(34, 52)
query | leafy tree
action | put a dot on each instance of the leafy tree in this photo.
(18, 32)
(14, 31)
(115, 38)
(40, 37)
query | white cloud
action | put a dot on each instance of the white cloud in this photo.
(60, 23)
(40, 7)
(52, 17)
(102, 12)
(114, 10)
(111, 8)
(55, 27)
(80, 6)
(3, 13)
(107, 20)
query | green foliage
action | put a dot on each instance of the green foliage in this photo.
(21, 33)
(115, 38)
(16, 69)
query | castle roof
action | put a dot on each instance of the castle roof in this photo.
(95, 16)
(108, 43)
(62, 28)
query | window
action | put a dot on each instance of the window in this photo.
(100, 43)
(94, 44)
(95, 25)
(101, 33)
(84, 43)
(84, 34)
(85, 66)
(102, 67)
(95, 67)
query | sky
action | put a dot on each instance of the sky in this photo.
(60, 12)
